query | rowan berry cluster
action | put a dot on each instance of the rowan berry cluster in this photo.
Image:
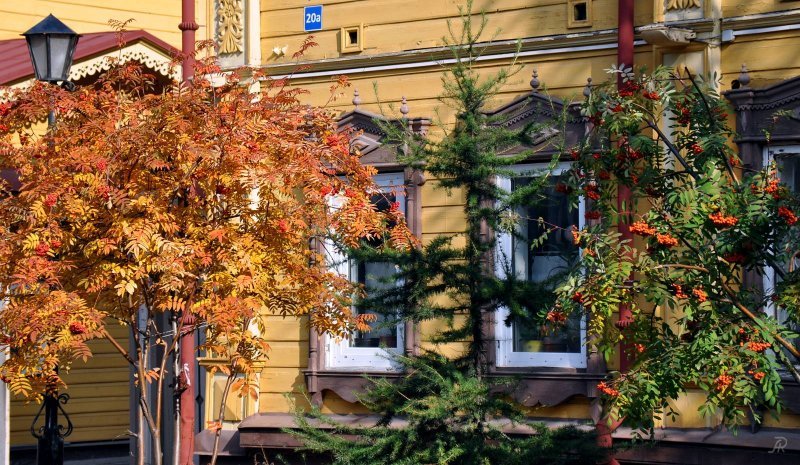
(643, 229)
(607, 390)
(721, 220)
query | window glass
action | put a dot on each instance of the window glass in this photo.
(548, 259)
(369, 350)
(788, 165)
(375, 275)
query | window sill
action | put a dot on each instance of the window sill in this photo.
(345, 383)
(537, 386)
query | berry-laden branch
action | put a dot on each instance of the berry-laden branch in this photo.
(697, 226)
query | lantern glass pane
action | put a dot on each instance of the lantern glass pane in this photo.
(38, 48)
(60, 56)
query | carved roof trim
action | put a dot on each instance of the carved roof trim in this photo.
(529, 106)
(766, 98)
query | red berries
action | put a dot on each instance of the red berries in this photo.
(607, 390)
(774, 189)
(758, 346)
(50, 200)
(651, 95)
(666, 240)
(678, 291)
(592, 192)
(700, 295)
(722, 382)
(788, 215)
(283, 225)
(642, 229)
(723, 221)
(42, 249)
(76, 328)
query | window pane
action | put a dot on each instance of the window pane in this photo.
(546, 261)
(789, 172)
(373, 275)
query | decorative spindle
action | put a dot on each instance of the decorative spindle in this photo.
(535, 81)
(356, 99)
(744, 77)
(404, 107)
(587, 91)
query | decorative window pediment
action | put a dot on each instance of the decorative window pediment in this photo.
(766, 115)
(540, 112)
(371, 140)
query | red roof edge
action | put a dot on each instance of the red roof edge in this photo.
(16, 59)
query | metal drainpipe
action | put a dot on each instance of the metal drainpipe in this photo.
(188, 362)
(624, 56)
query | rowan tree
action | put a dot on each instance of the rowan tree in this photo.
(203, 198)
(700, 220)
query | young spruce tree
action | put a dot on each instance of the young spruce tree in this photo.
(451, 412)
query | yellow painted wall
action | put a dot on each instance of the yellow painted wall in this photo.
(159, 17)
(770, 58)
(394, 25)
(563, 75)
(99, 393)
(732, 8)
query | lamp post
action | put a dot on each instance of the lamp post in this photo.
(51, 45)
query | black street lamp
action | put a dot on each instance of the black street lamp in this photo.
(51, 44)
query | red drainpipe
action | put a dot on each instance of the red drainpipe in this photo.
(624, 57)
(188, 362)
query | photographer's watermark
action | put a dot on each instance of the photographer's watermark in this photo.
(780, 445)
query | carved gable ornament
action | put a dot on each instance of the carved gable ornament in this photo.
(682, 4)
(229, 26)
(369, 139)
(540, 113)
(765, 116)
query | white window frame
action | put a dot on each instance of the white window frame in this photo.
(506, 357)
(338, 352)
(769, 272)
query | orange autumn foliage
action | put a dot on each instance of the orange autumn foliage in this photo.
(200, 199)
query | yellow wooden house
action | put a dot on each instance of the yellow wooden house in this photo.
(396, 48)
(393, 53)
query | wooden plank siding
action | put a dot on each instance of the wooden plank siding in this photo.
(770, 58)
(158, 17)
(732, 8)
(387, 23)
(99, 389)
(99, 396)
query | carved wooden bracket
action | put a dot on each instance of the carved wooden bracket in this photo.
(229, 28)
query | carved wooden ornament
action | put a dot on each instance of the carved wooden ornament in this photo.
(229, 14)
(682, 4)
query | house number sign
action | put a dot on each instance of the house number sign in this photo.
(312, 18)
